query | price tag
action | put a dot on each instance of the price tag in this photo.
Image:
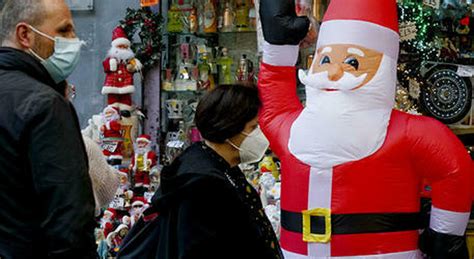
(408, 31)
(465, 71)
(432, 3)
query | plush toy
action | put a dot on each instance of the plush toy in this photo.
(119, 67)
(351, 166)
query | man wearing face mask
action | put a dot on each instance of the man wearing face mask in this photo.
(46, 199)
(207, 208)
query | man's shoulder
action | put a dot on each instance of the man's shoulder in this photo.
(26, 95)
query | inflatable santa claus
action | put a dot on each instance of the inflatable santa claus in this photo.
(351, 166)
(119, 67)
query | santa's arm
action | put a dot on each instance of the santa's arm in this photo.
(115, 125)
(283, 31)
(445, 164)
(110, 65)
(152, 159)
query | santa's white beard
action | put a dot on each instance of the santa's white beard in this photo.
(342, 126)
(120, 54)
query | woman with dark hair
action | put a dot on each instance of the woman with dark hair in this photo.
(207, 209)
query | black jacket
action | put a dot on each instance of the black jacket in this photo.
(203, 215)
(46, 200)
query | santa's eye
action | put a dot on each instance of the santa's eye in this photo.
(325, 60)
(352, 62)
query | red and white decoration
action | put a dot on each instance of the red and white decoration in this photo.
(349, 153)
(119, 67)
(143, 161)
(112, 139)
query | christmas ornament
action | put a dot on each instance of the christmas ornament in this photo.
(112, 139)
(148, 25)
(119, 67)
(143, 161)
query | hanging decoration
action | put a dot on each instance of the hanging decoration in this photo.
(432, 3)
(148, 25)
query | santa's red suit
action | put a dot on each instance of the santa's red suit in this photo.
(335, 203)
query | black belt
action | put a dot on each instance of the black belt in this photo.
(353, 223)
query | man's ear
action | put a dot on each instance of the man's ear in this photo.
(24, 36)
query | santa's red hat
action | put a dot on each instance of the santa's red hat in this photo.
(144, 138)
(110, 212)
(123, 171)
(372, 24)
(139, 201)
(119, 37)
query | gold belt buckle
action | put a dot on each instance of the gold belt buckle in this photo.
(316, 238)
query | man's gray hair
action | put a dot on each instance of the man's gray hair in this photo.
(16, 11)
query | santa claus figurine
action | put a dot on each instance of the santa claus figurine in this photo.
(119, 67)
(139, 205)
(351, 166)
(115, 239)
(143, 160)
(112, 139)
(124, 184)
(107, 221)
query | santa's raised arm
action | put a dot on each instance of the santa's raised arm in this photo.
(352, 166)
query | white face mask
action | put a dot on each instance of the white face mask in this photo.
(253, 147)
(65, 58)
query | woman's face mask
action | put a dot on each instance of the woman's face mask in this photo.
(65, 58)
(253, 147)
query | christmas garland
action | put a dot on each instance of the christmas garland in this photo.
(149, 25)
(422, 47)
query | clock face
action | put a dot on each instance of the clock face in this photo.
(447, 96)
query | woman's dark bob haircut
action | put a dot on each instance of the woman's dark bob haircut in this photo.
(223, 112)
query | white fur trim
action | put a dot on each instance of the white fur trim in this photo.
(138, 203)
(129, 89)
(448, 222)
(108, 212)
(280, 55)
(365, 34)
(120, 227)
(138, 184)
(415, 254)
(143, 139)
(124, 107)
(113, 64)
(120, 41)
(319, 196)
(116, 157)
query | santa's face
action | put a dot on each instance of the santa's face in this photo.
(109, 114)
(142, 144)
(123, 179)
(122, 52)
(342, 67)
